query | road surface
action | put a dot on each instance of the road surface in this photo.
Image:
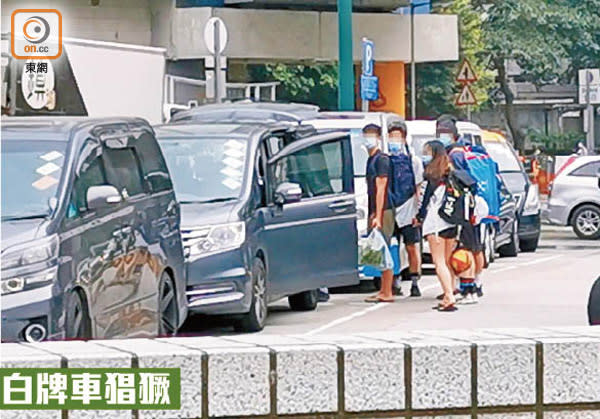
(546, 288)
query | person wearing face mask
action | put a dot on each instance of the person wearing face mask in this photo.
(405, 213)
(470, 234)
(381, 215)
(440, 234)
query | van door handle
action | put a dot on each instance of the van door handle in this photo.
(126, 231)
(339, 206)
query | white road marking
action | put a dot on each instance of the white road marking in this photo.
(361, 313)
(536, 261)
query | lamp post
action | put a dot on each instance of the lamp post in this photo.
(346, 61)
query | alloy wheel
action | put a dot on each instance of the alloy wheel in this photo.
(588, 222)
(260, 296)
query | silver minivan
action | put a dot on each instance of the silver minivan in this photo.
(575, 197)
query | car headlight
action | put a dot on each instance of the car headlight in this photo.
(29, 281)
(214, 239)
(30, 253)
(532, 202)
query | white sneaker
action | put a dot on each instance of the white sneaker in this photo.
(474, 298)
(466, 299)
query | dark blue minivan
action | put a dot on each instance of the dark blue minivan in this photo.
(91, 246)
(268, 211)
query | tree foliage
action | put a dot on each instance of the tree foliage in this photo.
(315, 83)
(436, 86)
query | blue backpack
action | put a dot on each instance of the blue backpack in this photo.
(485, 171)
(402, 186)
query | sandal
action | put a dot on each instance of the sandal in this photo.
(378, 299)
(447, 308)
(441, 296)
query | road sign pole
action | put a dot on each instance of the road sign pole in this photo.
(346, 62)
(591, 144)
(217, 28)
(469, 112)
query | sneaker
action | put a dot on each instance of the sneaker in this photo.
(464, 299)
(323, 296)
(474, 298)
(415, 291)
(479, 291)
(397, 290)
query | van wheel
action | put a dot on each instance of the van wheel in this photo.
(255, 319)
(530, 245)
(78, 323)
(586, 222)
(167, 299)
(304, 301)
(511, 249)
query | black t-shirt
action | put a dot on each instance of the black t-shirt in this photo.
(378, 165)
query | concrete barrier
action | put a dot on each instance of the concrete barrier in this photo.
(489, 374)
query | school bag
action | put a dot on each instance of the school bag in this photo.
(484, 170)
(402, 186)
(458, 205)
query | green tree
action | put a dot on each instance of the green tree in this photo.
(548, 39)
(315, 83)
(436, 86)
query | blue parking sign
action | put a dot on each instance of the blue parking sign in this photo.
(369, 87)
(368, 57)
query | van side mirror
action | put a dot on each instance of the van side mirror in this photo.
(288, 193)
(102, 196)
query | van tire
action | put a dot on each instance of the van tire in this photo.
(78, 323)
(167, 306)
(304, 301)
(594, 304)
(530, 245)
(255, 319)
(512, 248)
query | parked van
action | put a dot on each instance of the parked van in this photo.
(268, 211)
(91, 246)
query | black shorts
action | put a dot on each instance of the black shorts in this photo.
(449, 233)
(470, 238)
(409, 234)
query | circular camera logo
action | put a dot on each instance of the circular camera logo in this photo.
(36, 29)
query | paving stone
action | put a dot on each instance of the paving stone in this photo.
(441, 375)
(307, 379)
(15, 355)
(374, 377)
(155, 354)
(80, 354)
(506, 372)
(571, 370)
(238, 382)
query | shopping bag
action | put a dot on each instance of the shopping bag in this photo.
(373, 251)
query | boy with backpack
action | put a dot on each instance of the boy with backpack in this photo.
(407, 176)
(474, 161)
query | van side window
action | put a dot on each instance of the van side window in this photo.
(317, 169)
(91, 174)
(123, 171)
(155, 172)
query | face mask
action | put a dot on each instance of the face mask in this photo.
(395, 148)
(370, 142)
(427, 159)
(446, 139)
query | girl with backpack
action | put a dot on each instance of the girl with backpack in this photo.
(440, 234)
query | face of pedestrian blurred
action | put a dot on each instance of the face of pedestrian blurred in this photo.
(397, 136)
(372, 140)
(446, 136)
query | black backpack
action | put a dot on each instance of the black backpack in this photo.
(458, 204)
(402, 184)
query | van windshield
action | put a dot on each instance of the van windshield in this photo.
(205, 170)
(31, 172)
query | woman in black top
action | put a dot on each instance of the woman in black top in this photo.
(440, 234)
